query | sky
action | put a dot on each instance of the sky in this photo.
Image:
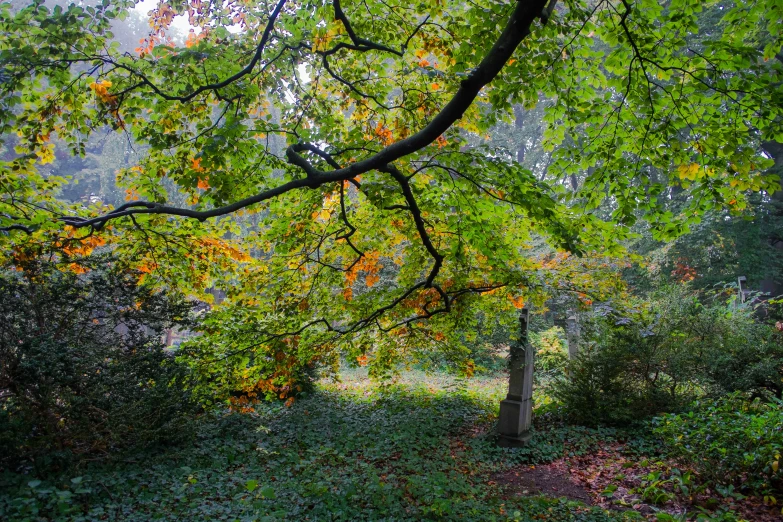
(180, 22)
(145, 6)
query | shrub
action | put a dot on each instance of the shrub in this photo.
(730, 440)
(742, 354)
(232, 365)
(551, 351)
(82, 365)
(596, 390)
(661, 354)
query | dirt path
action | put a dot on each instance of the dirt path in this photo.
(609, 479)
(542, 480)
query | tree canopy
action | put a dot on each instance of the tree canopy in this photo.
(334, 166)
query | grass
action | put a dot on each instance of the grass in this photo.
(417, 449)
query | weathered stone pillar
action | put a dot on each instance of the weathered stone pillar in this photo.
(516, 411)
(742, 283)
(572, 333)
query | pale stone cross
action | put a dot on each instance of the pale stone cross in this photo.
(516, 411)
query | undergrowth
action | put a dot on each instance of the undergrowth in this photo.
(412, 450)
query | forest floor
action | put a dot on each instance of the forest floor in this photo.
(420, 448)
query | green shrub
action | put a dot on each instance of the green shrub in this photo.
(82, 363)
(730, 440)
(596, 389)
(551, 351)
(742, 354)
(658, 355)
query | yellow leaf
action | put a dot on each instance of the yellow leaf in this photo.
(688, 171)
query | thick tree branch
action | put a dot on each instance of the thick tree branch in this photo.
(413, 208)
(221, 84)
(517, 28)
(23, 228)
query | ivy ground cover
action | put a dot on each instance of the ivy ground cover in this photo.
(417, 449)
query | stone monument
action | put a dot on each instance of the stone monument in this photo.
(516, 410)
(742, 284)
(572, 333)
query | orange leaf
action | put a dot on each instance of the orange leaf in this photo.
(518, 302)
(77, 268)
(195, 164)
(202, 184)
(371, 279)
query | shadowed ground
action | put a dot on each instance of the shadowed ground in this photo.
(419, 449)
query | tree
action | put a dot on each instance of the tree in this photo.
(350, 139)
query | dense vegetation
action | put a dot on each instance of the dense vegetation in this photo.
(265, 260)
(421, 449)
(82, 364)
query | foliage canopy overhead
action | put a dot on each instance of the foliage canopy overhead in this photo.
(355, 138)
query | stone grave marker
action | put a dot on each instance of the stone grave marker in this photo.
(742, 282)
(516, 410)
(573, 333)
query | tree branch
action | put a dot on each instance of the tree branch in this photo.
(362, 44)
(517, 28)
(224, 83)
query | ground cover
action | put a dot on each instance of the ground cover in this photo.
(418, 448)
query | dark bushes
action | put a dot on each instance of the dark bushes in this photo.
(729, 440)
(82, 363)
(662, 354)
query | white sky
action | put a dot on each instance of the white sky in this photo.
(180, 22)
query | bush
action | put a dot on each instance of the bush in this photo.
(82, 363)
(742, 354)
(596, 389)
(730, 440)
(551, 351)
(624, 371)
(232, 365)
(660, 355)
